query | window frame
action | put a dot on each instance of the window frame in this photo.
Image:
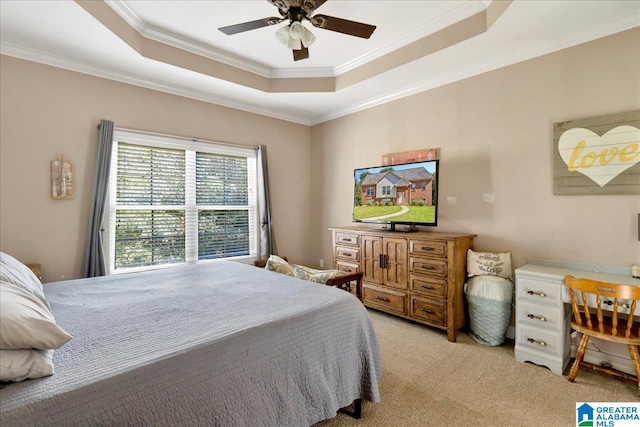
(191, 209)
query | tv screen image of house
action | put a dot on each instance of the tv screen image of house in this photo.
(397, 194)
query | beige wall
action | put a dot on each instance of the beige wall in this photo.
(46, 111)
(494, 132)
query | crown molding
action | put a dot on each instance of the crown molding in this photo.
(588, 34)
(605, 29)
(58, 61)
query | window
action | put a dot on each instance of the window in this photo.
(175, 201)
(370, 191)
(386, 190)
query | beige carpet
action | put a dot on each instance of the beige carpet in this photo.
(428, 381)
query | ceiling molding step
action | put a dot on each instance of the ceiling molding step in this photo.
(162, 36)
(428, 28)
(131, 29)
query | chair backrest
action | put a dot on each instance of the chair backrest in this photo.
(623, 301)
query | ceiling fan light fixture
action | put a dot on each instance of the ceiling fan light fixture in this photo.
(296, 30)
(295, 35)
(283, 35)
(308, 38)
(294, 44)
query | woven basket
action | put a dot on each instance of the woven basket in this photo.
(489, 319)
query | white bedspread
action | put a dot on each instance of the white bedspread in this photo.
(219, 344)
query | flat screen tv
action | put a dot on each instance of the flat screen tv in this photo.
(404, 194)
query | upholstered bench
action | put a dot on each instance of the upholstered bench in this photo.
(350, 282)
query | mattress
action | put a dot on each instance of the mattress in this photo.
(216, 344)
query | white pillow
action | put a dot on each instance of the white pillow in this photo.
(489, 263)
(18, 365)
(26, 323)
(13, 271)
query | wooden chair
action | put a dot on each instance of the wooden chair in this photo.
(617, 325)
(344, 281)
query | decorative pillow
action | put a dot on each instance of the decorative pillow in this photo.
(19, 365)
(277, 264)
(26, 323)
(489, 263)
(15, 272)
(313, 275)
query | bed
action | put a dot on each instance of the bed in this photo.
(217, 344)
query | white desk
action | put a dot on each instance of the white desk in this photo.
(543, 334)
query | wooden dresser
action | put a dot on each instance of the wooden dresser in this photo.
(418, 275)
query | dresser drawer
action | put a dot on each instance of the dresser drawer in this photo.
(541, 315)
(539, 291)
(431, 286)
(347, 239)
(432, 311)
(346, 253)
(387, 300)
(540, 339)
(428, 248)
(347, 267)
(428, 266)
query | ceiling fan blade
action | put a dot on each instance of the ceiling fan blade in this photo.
(320, 3)
(300, 54)
(312, 4)
(344, 26)
(251, 25)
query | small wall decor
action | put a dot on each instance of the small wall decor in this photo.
(598, 155)
(62, 181)
(410, 156)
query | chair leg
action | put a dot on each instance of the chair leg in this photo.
(579, 356)
(635, 358)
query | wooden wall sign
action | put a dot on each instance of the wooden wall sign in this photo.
(598, 155)
(62, 180)
(410, 156)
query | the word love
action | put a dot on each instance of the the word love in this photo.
(601, 158)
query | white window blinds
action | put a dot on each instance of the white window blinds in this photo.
(174, 201)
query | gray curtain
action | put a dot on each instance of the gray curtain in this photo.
(94, 264)
(267, 240)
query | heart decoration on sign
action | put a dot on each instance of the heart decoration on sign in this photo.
(601, 158)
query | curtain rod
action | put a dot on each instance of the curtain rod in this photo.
(184, 138)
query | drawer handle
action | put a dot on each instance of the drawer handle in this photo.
(347, 270)
(532, 341)
(427, 267)
(346, 239)
(346, 254)
(540, 294)
(426, 287)
(533, 316)
(426, 310)
(427, 248)
(382, 298)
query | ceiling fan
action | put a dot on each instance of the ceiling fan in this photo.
(295, 35)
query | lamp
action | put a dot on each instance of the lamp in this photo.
(295, 36)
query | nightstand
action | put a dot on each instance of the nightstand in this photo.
(37, 270)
